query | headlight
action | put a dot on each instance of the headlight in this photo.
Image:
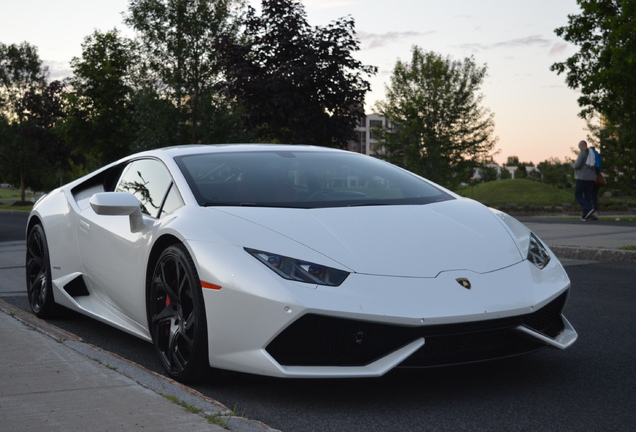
(537, 253)
(298, 270)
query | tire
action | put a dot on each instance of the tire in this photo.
(38, 274)
(176, 315)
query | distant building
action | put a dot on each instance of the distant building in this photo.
(531, 171)
(366, 142)
(477, 174)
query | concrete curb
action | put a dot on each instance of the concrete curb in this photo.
(594, 254)
(153, 381)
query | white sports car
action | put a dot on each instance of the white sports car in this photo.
(292, 261)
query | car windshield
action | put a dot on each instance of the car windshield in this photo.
(302, 179)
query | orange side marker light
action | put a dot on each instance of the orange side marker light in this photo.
(208, 285)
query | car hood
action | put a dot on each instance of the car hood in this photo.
(409, 241)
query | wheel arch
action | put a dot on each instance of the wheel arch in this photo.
(160, 245)
(33, 220)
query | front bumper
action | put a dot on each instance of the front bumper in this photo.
(322, 341)
(260, 323)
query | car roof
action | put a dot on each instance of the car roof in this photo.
(227, 148)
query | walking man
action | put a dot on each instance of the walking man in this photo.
(585, 177)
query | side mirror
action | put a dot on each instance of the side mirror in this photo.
(119, 204)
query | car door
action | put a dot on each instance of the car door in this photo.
(113, 256)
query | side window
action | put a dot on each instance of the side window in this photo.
(149, 180)
(173, 202)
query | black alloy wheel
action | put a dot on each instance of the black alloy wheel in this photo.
(176, 315)
(38, 274)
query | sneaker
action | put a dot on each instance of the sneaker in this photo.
(589, 214)
(593, 218)
(583, 220)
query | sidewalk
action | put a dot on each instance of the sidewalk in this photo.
(590, 240)
(52, 380)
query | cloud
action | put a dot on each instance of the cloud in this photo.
(534, 40)
(558, 48)
(474, 47)
(374, 40)
(529, 41)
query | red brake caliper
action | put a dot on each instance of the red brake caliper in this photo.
(168, 301)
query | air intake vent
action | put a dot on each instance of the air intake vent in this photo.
(76, 287)
(316, 340)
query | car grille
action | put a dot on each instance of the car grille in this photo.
(316, 340)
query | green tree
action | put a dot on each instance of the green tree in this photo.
(556, 173)
(100, 119)
(488, 173)
(180, 40)
(297, 83)
(21, 71)
(512, 161)
(439, 128)
(39, 113)
(535, 174)
(604, 71)
(7, 137)
(604, 137)
(504, 174)
(154, 119)
(521, 172)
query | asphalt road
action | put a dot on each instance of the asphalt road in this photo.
(12, 226)
(589, 387)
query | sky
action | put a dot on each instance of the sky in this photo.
(535, 113)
